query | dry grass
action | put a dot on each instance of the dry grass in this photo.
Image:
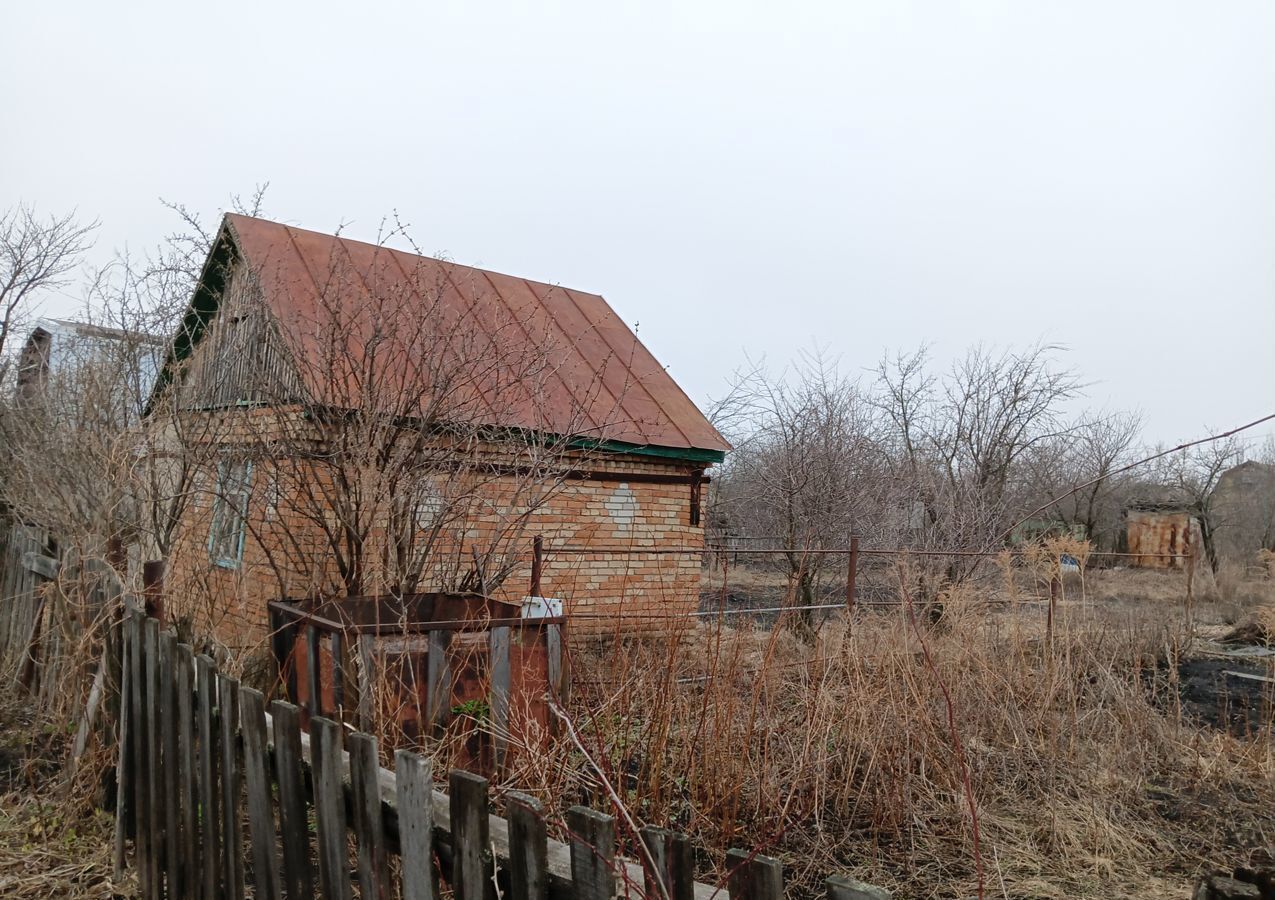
(53, 842)
(836, 755)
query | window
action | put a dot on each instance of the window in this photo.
(230, 507)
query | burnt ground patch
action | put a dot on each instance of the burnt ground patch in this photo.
(1212, 695)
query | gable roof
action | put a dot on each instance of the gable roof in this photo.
(605, 378)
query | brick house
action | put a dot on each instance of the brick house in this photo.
(561, 425)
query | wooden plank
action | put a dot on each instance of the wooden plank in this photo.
(553, 637)
(44, 566)
(154, 774)
(366, 805)
(471, 853)
(499, 701)
(1249, 676)
(366, 680)
(140, 749)
(413, 784)
(125, 805)
(674, 875)
(231, 788)
(168, 753)
(751, 876)
(256, 767)
(338, 675)
(592, 853)
(840, 888)
(313, 677)
(438, 680)
(329, 809)
(294, 826)
(209, 768)
(528, 848)
(187, 782)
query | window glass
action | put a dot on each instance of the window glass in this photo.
(230, 509)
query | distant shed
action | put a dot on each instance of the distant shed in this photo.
(1161, 533)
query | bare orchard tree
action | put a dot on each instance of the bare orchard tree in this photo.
(807, 469)
(961, 437)
(1081, 468)
(37, 254)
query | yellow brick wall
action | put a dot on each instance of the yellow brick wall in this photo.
(285, 554)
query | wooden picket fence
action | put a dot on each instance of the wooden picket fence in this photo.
(201, 756)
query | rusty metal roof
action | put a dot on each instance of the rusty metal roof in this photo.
(605, 379)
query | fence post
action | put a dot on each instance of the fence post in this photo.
(168, 725)
(154, 781)
(329, 808)
(752, 876)
(528, 848)
(365, 802)
(852, 571)
(471, 844)
(592, 853)
(1190, 591)
(414, 790)
(256, 765)
(231, 830)
(314, 680)
(674, 864)
(153, 588)
(125, 768)
(294, 826)
(188, 801)
(209, 796)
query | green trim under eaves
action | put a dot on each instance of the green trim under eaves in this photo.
(690, 454)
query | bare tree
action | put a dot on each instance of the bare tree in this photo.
(1080, 468)
(36, 255)
(808, 470)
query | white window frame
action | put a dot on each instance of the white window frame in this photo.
(231, 500)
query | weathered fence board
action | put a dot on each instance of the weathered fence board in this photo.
(199, 752)
(414, 786)
(366, 804)
(437, 678)
(294, 826)
(186, 780)
(209, 795)
(151, 761)
(256, 768)
(329, 808)
(471, 858)
(231, 786)
(167, 707)
(592, 853)
(674, 875)
(528, 849)
(753, 876)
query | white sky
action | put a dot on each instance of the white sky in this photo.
(736, 178)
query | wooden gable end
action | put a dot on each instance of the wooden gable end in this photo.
(241, 359)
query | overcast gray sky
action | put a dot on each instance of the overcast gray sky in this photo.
(736, 178)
